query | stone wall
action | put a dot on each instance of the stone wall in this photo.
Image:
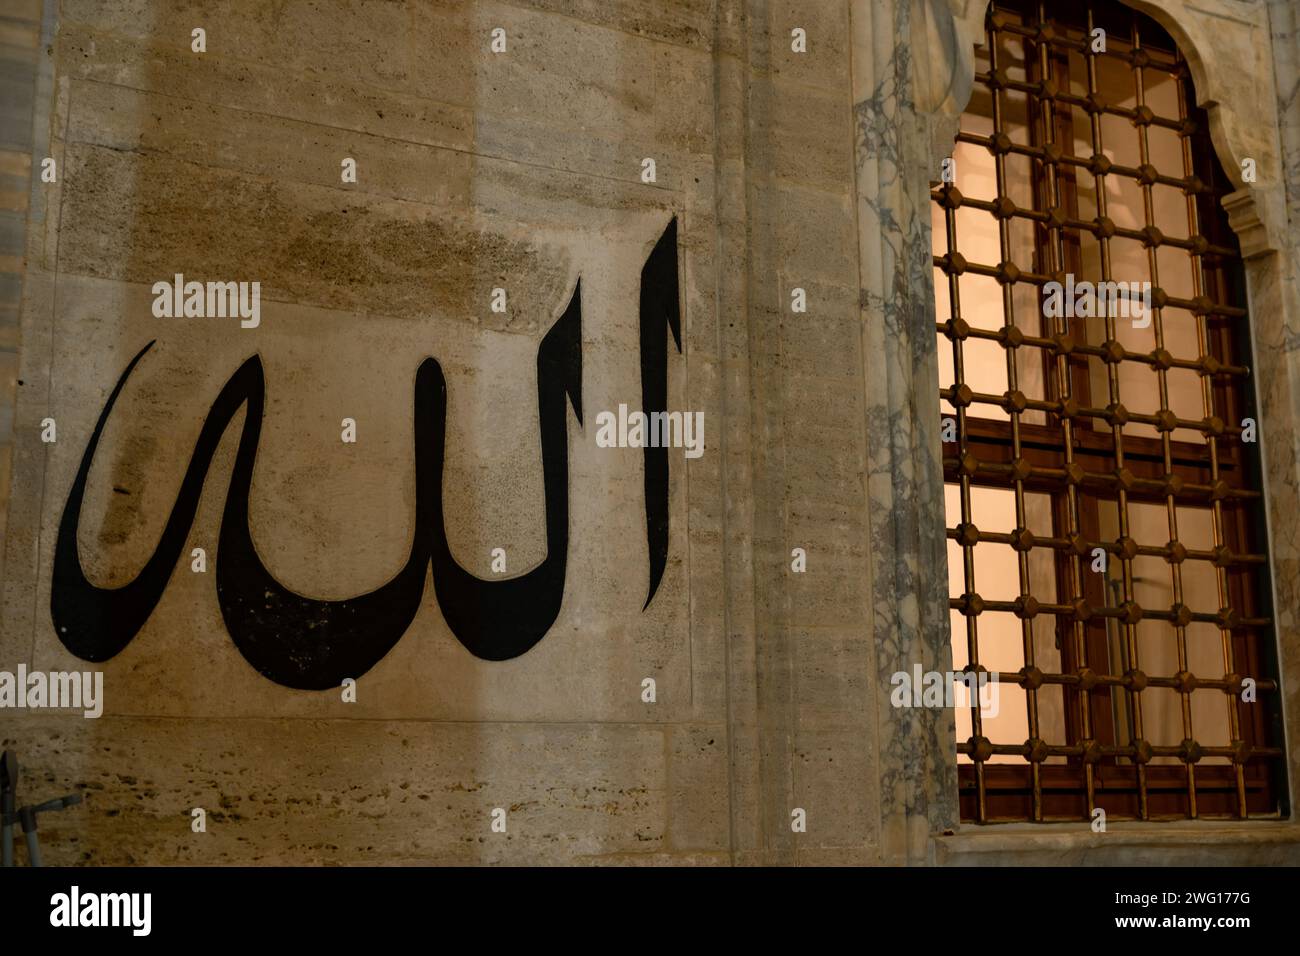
(523, 170)
(476, 170)
(23, 114)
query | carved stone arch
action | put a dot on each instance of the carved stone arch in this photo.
(1230, 58)
(943, 73)
(966, 32)
(1229, 54)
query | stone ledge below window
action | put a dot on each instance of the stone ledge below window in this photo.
(1185, 843)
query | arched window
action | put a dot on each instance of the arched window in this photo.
(1106, 540)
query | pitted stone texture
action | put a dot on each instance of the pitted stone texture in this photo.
(309, 792)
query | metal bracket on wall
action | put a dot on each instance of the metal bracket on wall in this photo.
(23, 815)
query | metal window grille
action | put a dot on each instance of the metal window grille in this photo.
(1105, 515)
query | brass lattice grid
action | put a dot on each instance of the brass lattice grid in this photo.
(1082, 455)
